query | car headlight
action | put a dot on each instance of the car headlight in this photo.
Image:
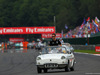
(63, 57)
(38, 58)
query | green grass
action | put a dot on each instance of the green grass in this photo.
(88, 51)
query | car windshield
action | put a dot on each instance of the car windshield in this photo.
(67, 47)
(53, 50)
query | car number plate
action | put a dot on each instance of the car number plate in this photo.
(51, 65)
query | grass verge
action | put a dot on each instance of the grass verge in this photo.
(87, 51)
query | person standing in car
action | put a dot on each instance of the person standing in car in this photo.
(54, 41)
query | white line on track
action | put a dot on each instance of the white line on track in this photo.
(87, 53)
(92, 73)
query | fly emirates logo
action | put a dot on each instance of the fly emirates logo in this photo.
(27, 30)
(10, 30)
(39, 30)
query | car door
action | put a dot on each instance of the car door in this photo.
(70, 56)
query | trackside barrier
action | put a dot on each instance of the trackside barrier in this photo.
(83, 41)
(83, 47)
(80, 41)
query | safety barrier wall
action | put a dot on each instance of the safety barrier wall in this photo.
(81, 41)
(84, 47)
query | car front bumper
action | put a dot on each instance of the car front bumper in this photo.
(52, 66)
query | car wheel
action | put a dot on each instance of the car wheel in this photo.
(67, 68)
(72, 68)
(39, 70)
(45, 70)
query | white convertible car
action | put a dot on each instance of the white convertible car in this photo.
(55, 58)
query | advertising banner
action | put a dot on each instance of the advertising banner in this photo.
(27, 30)
(97, 48)
(16, 39)
(58, 35)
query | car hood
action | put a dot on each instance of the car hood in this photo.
(51, 56)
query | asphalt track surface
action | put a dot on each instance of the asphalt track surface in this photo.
(15, 62)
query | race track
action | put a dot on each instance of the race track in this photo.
(15, 62)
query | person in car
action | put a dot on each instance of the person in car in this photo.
(61, 40)
(54, 41)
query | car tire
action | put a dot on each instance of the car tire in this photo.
(45, 70)
(72, 68)
(39, 70)
(67, 68)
